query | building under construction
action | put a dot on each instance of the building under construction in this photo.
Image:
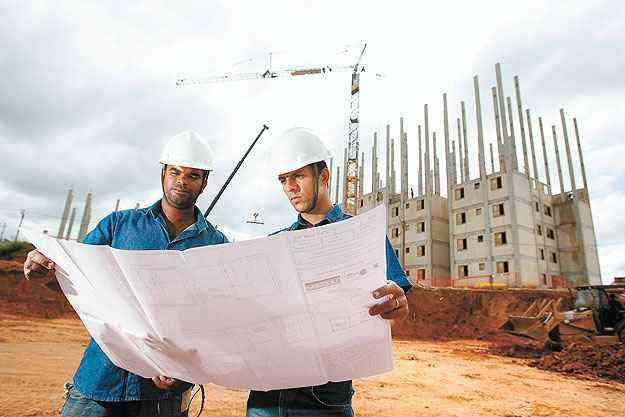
(503, 227)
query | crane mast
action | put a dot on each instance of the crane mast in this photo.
(350, 187)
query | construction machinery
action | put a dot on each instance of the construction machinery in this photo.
(350, 185)
(598, 315)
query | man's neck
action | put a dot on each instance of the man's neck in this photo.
(318, 214)
(177, 219)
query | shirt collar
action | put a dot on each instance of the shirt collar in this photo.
(335, 214)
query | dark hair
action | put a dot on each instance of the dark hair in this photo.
(320, 165)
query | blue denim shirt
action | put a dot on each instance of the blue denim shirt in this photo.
(141, 229)
(332, 395)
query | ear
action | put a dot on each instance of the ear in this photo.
(324, 176)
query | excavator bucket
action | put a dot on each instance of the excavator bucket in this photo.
(536, 322)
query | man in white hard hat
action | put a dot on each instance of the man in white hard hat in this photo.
(100, 388)
(299, 163)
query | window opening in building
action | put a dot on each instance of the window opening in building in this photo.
(554, 258)
(550, 234)
(421, 250)
(501, 239)
(476, 186)
(420, 274)
(407, 249)
(396, 232)
(461, 218)
(502, 267)
(480, 238)
(498, 210)
(396, 211)
(495, 183)
(478, 211)
(548, 211)
(539, 230)
(481, 266)
(459, 193)
(461, 244)
(542, 254)
(421, 227)
(420, 204)
(463, 271)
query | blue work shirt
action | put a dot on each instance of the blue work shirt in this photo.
(97, 377)
(335, 396)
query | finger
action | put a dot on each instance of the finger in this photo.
(391, 303)
(398, 313)
(389, 288)
(37, 258)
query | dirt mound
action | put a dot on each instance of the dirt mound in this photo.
(29, 299)
(447, 313)
(587, 360)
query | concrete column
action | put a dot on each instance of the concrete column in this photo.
(428, 190)
(66, 210)
(558, 163)
(437, 190)
(581, 160)
(480, 133)
(420, 163)
(393, 173)
(460, 152)
(510, 161)
(72, 217)
(451, 181)
(526, 165)
(500, 151)
(542, 140)
(569, 159)
(467, 176)
(374, 169)
(387, 187)
(404, 160)
(454, 174)
(511, 137)
(531, 136)
(86, 218)
(117, 202)
(492, 159)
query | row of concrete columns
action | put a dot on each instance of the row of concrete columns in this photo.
(69, 215)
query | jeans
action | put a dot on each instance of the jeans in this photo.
(76, 405)
(333, 399)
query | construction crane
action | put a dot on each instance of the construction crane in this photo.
(350, 185)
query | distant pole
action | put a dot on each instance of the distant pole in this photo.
(517, 88)
(532, 149)
(420, 187)
(338, 184)
(542, 140)
(22, 213)
(330, 176)
(559, 164)
(492, 159)
(480, 131)
(86, 218)
(70, 226)
(117, 205)
(460, 152)
(137, 206)
(467, 176)
(66, 209)
(4, 226)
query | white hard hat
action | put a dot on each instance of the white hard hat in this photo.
(188, 149)
(295, 149)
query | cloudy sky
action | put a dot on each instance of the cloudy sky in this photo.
(89, 94)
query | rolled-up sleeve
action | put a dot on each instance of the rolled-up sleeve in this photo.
(394, 271)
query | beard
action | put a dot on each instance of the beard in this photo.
(180, 200)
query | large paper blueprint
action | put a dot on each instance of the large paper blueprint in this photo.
(285, 311)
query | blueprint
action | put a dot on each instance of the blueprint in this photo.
(285, 311)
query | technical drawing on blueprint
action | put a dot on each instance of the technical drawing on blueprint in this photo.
(284, 311)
